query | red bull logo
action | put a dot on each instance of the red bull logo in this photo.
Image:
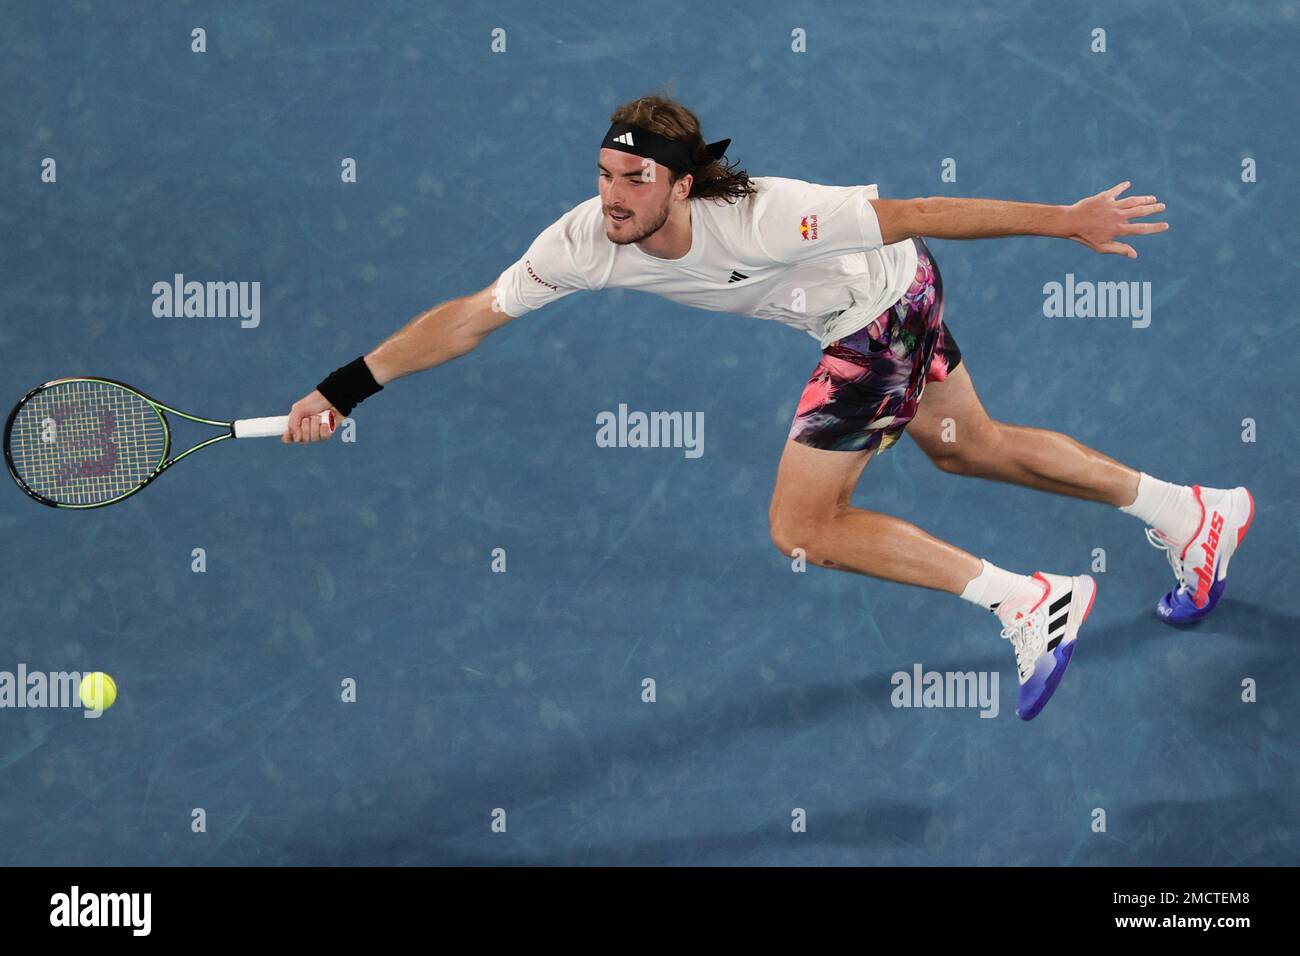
(808, 227)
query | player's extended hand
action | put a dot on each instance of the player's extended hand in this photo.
(304, 420)
(1098, 220)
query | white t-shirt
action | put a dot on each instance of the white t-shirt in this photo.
(801, 253)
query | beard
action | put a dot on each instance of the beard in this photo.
(635, 235)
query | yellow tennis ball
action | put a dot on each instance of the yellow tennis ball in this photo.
(98, 691)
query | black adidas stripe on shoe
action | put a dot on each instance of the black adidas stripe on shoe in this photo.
(1056, 627)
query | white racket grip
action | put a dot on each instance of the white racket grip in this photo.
(272, 427)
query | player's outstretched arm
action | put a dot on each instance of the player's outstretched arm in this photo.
(445, 332)
(1098, 221)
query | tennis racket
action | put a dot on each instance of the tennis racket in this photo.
(89, 442)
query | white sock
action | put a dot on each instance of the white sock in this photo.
(1170, 509)
(993, 585)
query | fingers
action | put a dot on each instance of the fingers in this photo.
(308, 429)
(1116, 190)
(1149, 209)
(1111, 248)
(1143, 228)
(309, 423)
(299, 427)
(1128, 202)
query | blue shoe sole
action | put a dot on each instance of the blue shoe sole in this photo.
(1050, 685)
(1179, 608)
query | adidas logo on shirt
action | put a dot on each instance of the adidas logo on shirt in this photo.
(737, 277)
(625, 139)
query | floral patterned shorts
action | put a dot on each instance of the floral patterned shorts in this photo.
(867, 386)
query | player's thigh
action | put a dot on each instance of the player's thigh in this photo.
(950, 424)
(812, 484)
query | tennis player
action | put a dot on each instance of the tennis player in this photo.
(852, 270)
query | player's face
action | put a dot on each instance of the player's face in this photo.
(635, 196)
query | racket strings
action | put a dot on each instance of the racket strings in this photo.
(86, 442)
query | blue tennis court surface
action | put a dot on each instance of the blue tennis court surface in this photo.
(483, 696)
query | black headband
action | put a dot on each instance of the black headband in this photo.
(639, 141)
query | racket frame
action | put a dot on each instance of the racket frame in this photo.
(158, 407)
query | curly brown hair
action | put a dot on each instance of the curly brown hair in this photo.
(713, 178)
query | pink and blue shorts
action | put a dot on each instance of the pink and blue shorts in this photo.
(867, 386)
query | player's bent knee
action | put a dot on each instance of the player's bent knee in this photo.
(790, 534)
(786, 534)
(783, 538)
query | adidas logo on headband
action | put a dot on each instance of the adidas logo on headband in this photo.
(650, 145)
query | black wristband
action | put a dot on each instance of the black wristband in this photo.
(347, 387)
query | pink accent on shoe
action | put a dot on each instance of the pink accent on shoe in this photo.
(1196, 490)
(1047, 589)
